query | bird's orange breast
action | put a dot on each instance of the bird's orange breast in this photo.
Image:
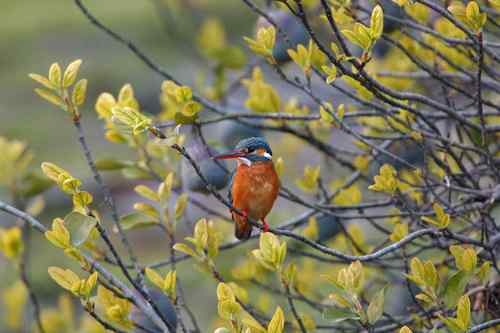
(255, 189)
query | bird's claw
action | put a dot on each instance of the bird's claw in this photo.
(265, 227)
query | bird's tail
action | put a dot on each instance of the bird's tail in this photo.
(242, 229)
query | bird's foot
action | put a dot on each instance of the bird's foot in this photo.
(265, 226)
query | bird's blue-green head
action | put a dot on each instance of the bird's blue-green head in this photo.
(250, 150)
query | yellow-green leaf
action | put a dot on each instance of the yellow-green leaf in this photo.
(377, 22)
(137, 220)
(79, 227)
(55, 74)
(66, 278)
(463, 311)
(165, 188)
(180, 205)
(11, 242)
(71, 73)
(277, 323)
(185, 249)
(376, 306)
(89, 284)
(442, 219)
(325, 115)
(147, 209)
(82, 199)
(79, 92)
(170, 285)
(146, 192)
(58, 235)
(50, 97)
(42, 80)
(404, 329)
(154, 277)
(484, 271)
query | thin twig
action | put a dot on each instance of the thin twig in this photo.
(108, 198)
(24, 278)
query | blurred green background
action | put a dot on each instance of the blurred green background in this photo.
(35, 34)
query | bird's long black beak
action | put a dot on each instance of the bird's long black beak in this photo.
(229, 155)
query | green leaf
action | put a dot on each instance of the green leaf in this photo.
(224, 291)
(133, 119)
(325, 115)
(277, 323)
(154, 277)
(136, 173)
(180, 205)
(71, 73)
(185, 249)
(181, 118)
(89, 284)
(364, 34)
(289, 274)
(376, 307)
(58, 235)
(146, 192)
(191, 109)
(463, 311)
(336, 315)
(442, 219)
(377, 22)
(430, 274)
(147, 210)
(165, 188)
(331, 72)
(483, 271)
(170, 285)
(79, 92)
(55, 74)
(42, 80)
(469, 260)
(136, 221)
(264, 41)
(110, 164)
(65, 278)
(228, 309)
(79, 227)
(50, 97)
(453, 324)
(353, 38)
(455, 288)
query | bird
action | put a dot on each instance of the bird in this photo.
(254, 185)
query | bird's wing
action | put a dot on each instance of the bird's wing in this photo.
(229, 192)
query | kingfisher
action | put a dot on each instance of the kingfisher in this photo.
(254, 185)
